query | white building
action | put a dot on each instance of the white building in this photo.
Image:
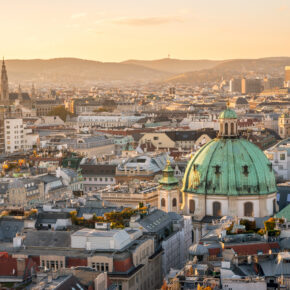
(279, 156)
(18, 138)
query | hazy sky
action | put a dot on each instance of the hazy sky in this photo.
(116, 30)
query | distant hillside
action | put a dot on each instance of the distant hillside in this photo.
(237, 67)
(79, 70)
(175, 66)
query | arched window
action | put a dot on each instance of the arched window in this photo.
(216, 209)
(248, 209)
(174, 202)
(232, 129)
(226, 129)
(163, 202)
(274, 206)
(191, 206)
(221, 128)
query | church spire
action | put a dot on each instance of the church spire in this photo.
(4, 92)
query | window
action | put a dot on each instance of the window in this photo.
(174, 202)
(282, 156)
(216, 209)
(274, 204)
(245, 169)
(191, 206)
(226, 129)
(248, 209)
(217, 169)
(163, 202)
(155, 138)
(232, 129)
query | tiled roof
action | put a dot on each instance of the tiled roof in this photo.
(253, 248)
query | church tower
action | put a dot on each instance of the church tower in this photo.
(19, 94)
(4, 94)
(168, 193)
(33, 93)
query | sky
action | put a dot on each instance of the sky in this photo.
(117, 30)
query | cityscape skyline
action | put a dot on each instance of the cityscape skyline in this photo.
(184, 30)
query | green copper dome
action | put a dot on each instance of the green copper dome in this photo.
(228, 114)
(229, 167)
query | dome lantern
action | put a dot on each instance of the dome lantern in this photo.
(228, 123)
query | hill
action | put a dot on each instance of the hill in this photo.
(175, 66)
(78, 70)
(236, 67)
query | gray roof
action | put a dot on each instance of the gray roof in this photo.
(94, 210)
(48, 178)
(47, 239)
(197, 250)
(70, 172)
(4, 187)
(155, 221)
(279, 266)
(51, 217)
(9, 227)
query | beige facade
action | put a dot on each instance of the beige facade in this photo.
(159, 140)
(130, 199)
(101, 263)
(23, 195)
(99, 151)
(284, 126)
(169, 200)
(52, 262)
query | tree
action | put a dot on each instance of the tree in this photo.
(61, 112)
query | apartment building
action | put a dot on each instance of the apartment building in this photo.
(17, 137)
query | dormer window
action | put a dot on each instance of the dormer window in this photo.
(245, 169)
(217, 169)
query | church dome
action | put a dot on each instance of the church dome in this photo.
(229, 166)
(228, 114)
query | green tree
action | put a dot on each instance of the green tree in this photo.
(60, 111)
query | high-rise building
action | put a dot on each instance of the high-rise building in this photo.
(4, 93)
(236, 85)
(273, 83)
(252, 86)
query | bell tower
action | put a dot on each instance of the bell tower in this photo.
(168, 193)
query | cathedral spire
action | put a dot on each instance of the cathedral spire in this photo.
(4, 92)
